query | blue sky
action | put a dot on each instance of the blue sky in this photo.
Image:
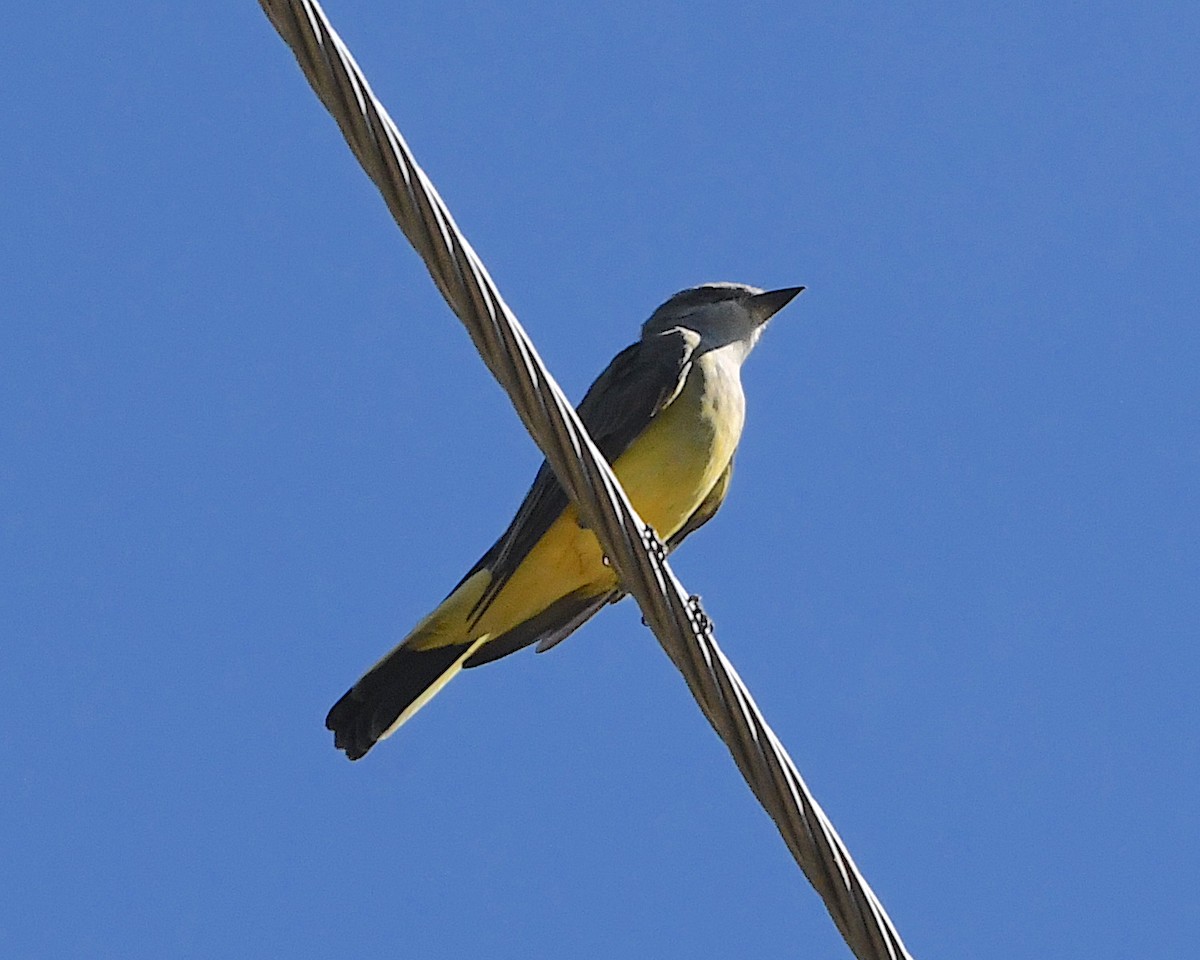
(244, 447)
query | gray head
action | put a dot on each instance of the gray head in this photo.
(721, 313)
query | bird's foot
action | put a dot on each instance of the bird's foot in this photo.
(702, 620)
(653, 544)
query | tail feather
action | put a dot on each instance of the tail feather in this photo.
(396, 688)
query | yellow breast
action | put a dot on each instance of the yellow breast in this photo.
(671, 467)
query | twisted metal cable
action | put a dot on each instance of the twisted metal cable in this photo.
(635, 553)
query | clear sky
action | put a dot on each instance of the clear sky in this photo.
(244, 446)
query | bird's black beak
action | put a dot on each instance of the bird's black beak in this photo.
(766, 305)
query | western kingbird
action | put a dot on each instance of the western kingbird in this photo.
(667, 414)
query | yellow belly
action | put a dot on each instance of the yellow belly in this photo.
(667, 472)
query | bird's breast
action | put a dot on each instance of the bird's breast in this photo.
(671, 467)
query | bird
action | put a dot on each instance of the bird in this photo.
(667, 414)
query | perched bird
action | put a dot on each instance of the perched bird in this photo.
(667, 414)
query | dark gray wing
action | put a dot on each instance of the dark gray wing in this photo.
(639, 383)
(548, 628)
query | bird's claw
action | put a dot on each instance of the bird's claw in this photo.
(653, 544)
(701, 619)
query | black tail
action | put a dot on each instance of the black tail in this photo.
(370, 708)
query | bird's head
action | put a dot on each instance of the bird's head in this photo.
(722, 313)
